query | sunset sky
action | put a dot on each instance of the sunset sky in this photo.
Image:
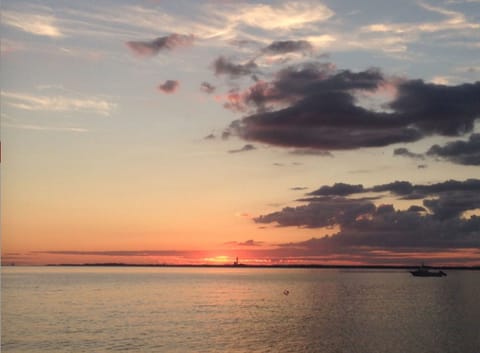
(198, 131)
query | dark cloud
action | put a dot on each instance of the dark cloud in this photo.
(401, 188)
(408, 191)
(469, 185)
(395, 229)
(209, 137)
(151, 48)
(169, 86)
(223, 66)
(288, 46)
(295, 83)
(365, 225)
(452, 204)
(315, 106)
(397, 187)
(280, 128)
(338, 189)
(299, 188)
(325, 211)
(322, 198)
(460, 152)
(444, 110)
(415, 208)
(413, 196)
(245, 148)
(410, 230)
(385, 209)
(406, 153)
(207, 87)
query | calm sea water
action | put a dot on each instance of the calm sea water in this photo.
(80, 309)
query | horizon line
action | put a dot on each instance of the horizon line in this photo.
(300, 266)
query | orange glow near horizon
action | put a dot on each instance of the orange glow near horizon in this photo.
(220, 259)
(470, 257)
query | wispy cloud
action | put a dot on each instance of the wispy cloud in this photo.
(96, 21)
(129, 17)
(454, 21)
(261, 23)
(289, 15)
(11, 122)
(57, 103)
(136, 21)
(394, 38)
(44, 128)
(37, 24)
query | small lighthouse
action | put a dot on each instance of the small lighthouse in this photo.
(236, 262)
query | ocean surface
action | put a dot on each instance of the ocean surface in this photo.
(133, 309)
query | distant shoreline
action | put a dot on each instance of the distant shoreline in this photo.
(289, 266)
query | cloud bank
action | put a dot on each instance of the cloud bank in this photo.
(440, 223)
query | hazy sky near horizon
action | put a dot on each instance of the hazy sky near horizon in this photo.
(194, 131)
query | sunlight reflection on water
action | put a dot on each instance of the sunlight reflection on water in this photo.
(101, 309)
